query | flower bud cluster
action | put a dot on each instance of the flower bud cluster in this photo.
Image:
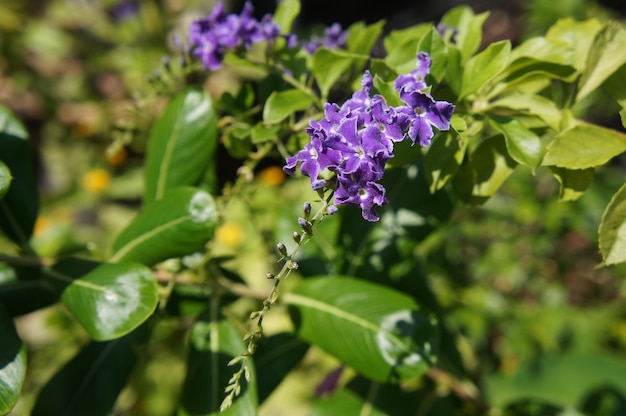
(356, 140)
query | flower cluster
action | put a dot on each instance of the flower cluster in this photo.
(334, 38)
(354, 141)
(211, 37)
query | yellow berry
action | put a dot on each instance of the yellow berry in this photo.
(272, 176)
(96, 180)
(229, 235)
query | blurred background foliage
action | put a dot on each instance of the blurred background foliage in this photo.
(517, 277)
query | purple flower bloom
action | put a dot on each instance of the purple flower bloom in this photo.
(422, 113)
(212, 36)
(354, 141)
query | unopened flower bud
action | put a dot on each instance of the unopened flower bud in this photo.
(296, 237)
(330, 210)
(282, 249)
(293, 265)
(165, 61)
(306, 210)
(306, 226)
(270, 275)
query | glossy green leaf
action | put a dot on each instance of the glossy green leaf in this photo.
(285, 14)
(578, 36)
(613, 229)
(330, 65)
(481, 68)
(535, 105)
(281, 104)
(213, 342)
(5, 179)
(180, 223)
(20, 205)
(606, 55)
(469, 27)
(12, 363)
(261, 133)
(573, 182)
(540, 49)
(113, 299)
(560, 380)
(434, 45)
(584, 146)
(275, 357)
(443, 160)
(362, 38)
(91, 381)
(378, 331)
(524, 146)
(182, 143)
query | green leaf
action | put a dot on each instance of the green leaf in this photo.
(5, 179)
(577, 35)
(281, 104)
(535, 105)
(434, 45)
(523, 145)
(112, 300)
(213, 342)
(182, 143)
(489, 165)
(470, 29)
(91, 381)
(612, 229)
(561, 380)
(12, 363)
(401, 47)
(274, 358)
(483, 67)
(261, 133)
(573, 182)
(584, 146)
(378, 331)
(20, 205)
(20, 297)
(180, 223)
(443, 160)
(606, 56)
(362, 38)
(285, 14)
(330, 65)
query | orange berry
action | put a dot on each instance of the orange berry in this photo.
(117, 157)
(229, 235)
(96, 180)
(272, 176)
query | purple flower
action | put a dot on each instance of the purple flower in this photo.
(422, 113)
(355, 141)
(334, 38)
(212, 36)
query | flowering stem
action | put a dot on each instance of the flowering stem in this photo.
(253, 337)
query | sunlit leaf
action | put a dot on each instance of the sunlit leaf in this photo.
(281, 104)
(584, 146)
(180, 223)
(434, 45)
(362, 38)
(378, 331)
(573, 182)
(182, 143)
(528, 104)
(113, 299)
(401, 47)
(577, 35)
(469, 28)
(91, 381)
(12, 363)
(285, 14)
(330, 65)
(524, 146)
(485, 66)
(213, 342)
(606, 55)
(613, 229)
(20, 204)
